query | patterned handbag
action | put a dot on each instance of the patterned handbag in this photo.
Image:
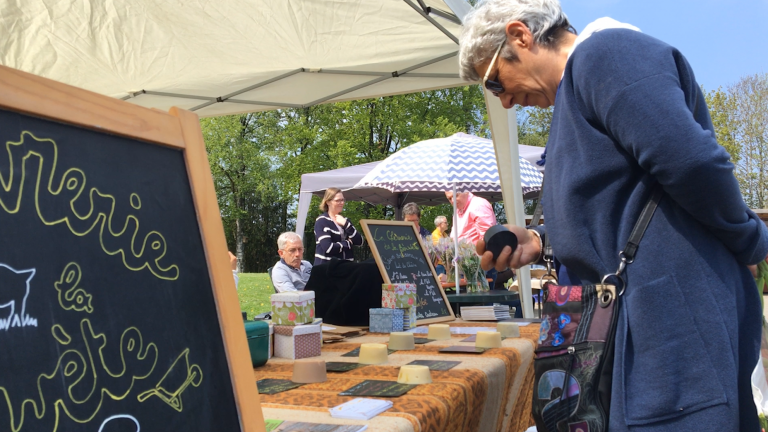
(573, 366)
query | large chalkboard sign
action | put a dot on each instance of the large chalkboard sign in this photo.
(118, 311)
(402, 258)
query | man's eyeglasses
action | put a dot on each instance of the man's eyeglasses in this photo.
(294, 250)
(494, 86)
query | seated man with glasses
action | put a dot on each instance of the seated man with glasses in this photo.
(291, 273)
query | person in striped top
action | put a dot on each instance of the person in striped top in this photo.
(334, 234)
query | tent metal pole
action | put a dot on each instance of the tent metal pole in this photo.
(432, 21)
(455, 240)
(504, 129)
(460, 8)
(224, 98)
(175, 95)
(388, 74)
(272, 104)
(349, 90)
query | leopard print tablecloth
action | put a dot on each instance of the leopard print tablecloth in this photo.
(487, 392)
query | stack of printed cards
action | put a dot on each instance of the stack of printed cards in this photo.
(361, 409)
(485, 313)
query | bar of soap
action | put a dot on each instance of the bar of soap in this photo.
(508, 329)
(488, 339)
(401, 341)
(439, 332)
(309, 371)
(373, 353)
(414, 374)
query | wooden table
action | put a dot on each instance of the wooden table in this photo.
(486, 392)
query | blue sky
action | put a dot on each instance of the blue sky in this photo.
(723, 40)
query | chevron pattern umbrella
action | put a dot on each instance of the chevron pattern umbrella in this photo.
(465, 160)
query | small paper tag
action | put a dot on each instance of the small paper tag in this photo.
(356, 352)
(473, 338)
(436, 365)
(341, 366)
(378, 388)
(272, 386)
(463, 349)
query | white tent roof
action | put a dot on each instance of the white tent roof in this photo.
(233, 56)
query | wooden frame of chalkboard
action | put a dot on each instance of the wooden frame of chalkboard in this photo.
(421, 280)
(34, 98)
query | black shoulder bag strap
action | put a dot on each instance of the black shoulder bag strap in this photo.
(627, 255)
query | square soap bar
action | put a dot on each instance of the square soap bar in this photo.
(385, 320)
(297, 342)
(293, 308)
(400, 295)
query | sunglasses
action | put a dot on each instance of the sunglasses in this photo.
(493, 86)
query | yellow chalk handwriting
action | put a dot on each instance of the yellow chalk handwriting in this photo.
(70, 295)
(88, 378)
(85, 211)
(60, 335)
(178, 377)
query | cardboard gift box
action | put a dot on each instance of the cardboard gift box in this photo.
(385, 320)
(409, 318)
(400, 295)
(293, 308)
(297, 342)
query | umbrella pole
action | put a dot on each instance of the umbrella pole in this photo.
(455, 239)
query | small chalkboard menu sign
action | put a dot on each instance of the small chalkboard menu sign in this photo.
(118, 310)
(401, 258)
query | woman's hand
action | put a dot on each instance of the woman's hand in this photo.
(341, 220)
(527, 251)
(753, 268)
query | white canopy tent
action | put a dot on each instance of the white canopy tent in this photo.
(235, 56)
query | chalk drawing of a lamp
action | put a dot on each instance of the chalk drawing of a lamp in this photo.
(179, 376)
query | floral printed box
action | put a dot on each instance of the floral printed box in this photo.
(401, 295)
(293, 308)
(297, 342)
(385, 320)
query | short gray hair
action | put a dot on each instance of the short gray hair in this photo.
(411, 209)
(287, 237)
(485, 29)
(440, 219)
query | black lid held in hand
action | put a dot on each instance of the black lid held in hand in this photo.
(497, 237)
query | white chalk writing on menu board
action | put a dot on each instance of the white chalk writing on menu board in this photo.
(402, 259)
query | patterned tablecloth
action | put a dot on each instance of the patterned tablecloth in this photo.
(486, 392)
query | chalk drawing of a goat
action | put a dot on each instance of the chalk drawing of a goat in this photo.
(14, 290)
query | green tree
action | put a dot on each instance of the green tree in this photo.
(721, 110)
(257, 159)
(243, 175)
(748, 99)
(533, 126)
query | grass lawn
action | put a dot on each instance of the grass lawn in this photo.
(253, 291)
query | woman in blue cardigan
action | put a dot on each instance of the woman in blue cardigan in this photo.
(629, 115)
(334, 234)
